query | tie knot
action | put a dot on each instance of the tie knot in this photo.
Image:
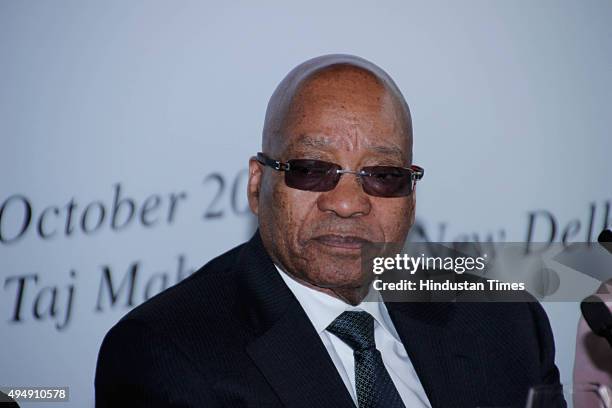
(355, 328)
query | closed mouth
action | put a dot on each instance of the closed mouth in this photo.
(342, 241)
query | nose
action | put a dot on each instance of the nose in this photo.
(347, 199)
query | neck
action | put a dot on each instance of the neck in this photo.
(353, 295)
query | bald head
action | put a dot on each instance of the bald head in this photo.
(348, 90)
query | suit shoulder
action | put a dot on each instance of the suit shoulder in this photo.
(205, 291)
(503, 311)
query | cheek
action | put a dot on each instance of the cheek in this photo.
(395, 217)
(289, 209)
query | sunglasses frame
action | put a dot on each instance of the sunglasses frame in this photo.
(416, 172)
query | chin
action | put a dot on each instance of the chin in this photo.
(332, 280)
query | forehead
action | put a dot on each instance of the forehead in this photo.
(318, 142)
(346, 111)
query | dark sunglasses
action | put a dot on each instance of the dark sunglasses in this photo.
(318, 175)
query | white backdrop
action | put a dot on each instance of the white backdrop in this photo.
(163, 103)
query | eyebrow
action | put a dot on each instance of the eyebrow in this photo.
(324, 142)
(314, 141)
(388, 150)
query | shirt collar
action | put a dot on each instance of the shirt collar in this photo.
(322, 308)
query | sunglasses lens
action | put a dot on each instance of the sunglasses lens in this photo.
(387, 181)
(312, 175)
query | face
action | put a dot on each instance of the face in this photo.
(351, 120)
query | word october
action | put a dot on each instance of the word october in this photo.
(409, 263)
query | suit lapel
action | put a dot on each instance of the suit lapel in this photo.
(445, 359)
(287, 349)
(295, 362)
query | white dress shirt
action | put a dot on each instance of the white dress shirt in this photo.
(322, 309)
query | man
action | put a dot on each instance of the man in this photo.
(279, 321)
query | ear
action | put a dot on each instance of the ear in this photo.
(254, 184)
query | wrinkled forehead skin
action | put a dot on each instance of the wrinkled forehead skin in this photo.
(275, 137)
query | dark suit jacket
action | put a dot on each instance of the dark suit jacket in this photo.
(233, 335)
